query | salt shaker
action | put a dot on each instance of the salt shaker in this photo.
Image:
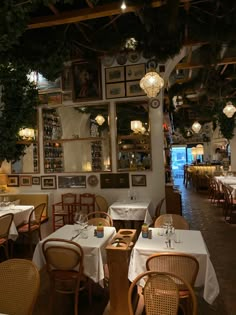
(150, 234)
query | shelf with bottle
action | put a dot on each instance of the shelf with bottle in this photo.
(52, 129)
(96, 153)
(53, 165)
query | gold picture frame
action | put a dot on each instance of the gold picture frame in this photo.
(133, 89)
(115, 90)
(115, 74)
(135, 72)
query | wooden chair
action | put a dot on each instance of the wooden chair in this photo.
(182, 265)
(87, 202)
(33, 225)
(94, 218)
(229, 207)
(179, 222)
(5, 224)
(160, 294)
(158, 211)
(19, 286)
(63, 212)
(65, 266)
(101, 203)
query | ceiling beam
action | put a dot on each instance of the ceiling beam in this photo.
(225, 61)
(76, 16)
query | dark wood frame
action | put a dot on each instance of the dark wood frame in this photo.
(25, 177)
(36, 180)
(54, 182)
(139, 180)
(91, 89)
(111, 86)
(109, 71)
(10, 179)
(67, 181)
(114, 180)
(135, 72)
(131, 93)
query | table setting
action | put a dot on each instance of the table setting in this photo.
(167, 239)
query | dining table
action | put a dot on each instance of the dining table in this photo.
(189, 242)
(94, 249)
(21, 214)
(132, 210)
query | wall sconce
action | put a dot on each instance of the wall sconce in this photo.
(27, 134)
(100, 120)
(196, 127)
(151, 83)
(229, 109)
(136, 126)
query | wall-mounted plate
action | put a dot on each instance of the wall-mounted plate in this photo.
(92, 180)
(154, 102)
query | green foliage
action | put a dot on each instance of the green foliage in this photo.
(18, 109)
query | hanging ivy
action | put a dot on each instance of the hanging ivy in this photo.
(19, 99)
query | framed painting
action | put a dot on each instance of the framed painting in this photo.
(115, 90)
(135, 72)
(86, 81)
(48, 182)
(114, 180)
(25, 180)
(13, 181)
(115, 74)
(138, 180)
(133, 89)
(36, 180)
(71, 181)
(67, 97)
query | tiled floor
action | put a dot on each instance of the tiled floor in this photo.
(219, 237)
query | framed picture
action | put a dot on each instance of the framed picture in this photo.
(54, 98)
(115, 90)
(36, 180)
(133, 89)
(115, 74)
(13, 181)
(114, 180)
(25, 180)
(138, 180)
(135, 72)
(72, 181)
(86, 81)
(48, 182)
(43, 98)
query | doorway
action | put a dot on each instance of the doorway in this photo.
(178, 160)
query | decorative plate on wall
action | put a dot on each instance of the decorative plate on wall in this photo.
(121, 58)
(154, 102)
(92, 180)
(134, 56)
(108, 60)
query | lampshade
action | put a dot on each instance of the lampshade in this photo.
(200, 149)
(26, 133)
(100, 119)
(229, 109)
(196, 127)
(151, 83)
(136, 126)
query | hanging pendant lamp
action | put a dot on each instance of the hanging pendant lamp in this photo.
(229, 109)
(196, 127)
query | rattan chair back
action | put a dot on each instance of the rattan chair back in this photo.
(179, 222)
(96, 217)
(160, 293)
(183, 265)
(5, 225)
(87, 202)
(19, 286)
(64, 263)
(101, 203)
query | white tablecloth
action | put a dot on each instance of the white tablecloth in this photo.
(93, 247)
(21, 214)
(137, 210)
(191, 243)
